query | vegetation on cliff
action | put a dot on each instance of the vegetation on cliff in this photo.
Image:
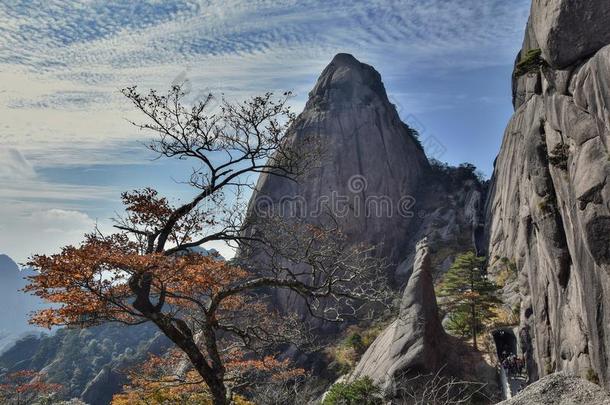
(468, 296)
(531, 62)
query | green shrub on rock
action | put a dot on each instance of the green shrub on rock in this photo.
(592, 376)
(531, 62)
(362, 391)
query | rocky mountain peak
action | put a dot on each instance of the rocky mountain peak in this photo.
(349, 114)
(346, 83)
(370, 156)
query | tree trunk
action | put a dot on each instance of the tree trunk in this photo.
(179, 333)
(474, 327)
(219, 393)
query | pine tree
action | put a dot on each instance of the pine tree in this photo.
(467, 295)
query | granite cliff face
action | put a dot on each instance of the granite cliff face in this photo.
(368, 157)
(548, 210)
(374, 177)
(570, 30)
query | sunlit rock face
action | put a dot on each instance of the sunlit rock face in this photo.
(570, 30)
(548, 209)
(416, 341)
(373, 177)
(370, 164)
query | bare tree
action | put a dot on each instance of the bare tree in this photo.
(435, 389)
(301, 390)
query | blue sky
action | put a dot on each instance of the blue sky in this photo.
(68, 150)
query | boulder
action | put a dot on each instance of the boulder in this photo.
(415, 342)
(569, 30)
(560, 389)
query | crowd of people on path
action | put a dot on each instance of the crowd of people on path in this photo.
(512, 364)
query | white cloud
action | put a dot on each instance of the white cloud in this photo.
(26, 230)
(60, 221)
(27, 223)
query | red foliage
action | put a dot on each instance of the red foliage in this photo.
(25, 387)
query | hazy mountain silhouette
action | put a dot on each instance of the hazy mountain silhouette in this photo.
(15, 305)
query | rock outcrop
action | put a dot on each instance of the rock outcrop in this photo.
(415, 346)
(416, 341)
(548, 211)
(371, 164)
(374, 177)
(560, 389)
(570, 30)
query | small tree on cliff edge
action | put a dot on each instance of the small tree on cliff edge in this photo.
(215, 312)
(467, 295)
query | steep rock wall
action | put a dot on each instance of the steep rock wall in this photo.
(373, 176)
(368, 158)
(548, 209)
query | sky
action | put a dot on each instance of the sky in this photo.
(67, 149)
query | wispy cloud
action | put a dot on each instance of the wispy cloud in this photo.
(26, 230)
(157, 32)
(73, 57)
(38, 215)
(62, 63)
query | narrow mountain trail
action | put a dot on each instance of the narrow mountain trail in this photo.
(512, 379)
(511, 384)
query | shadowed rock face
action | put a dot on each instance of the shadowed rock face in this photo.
(548, 208)
(415, 341)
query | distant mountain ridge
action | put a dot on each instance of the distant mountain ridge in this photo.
(15, 305)
(89, 363)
